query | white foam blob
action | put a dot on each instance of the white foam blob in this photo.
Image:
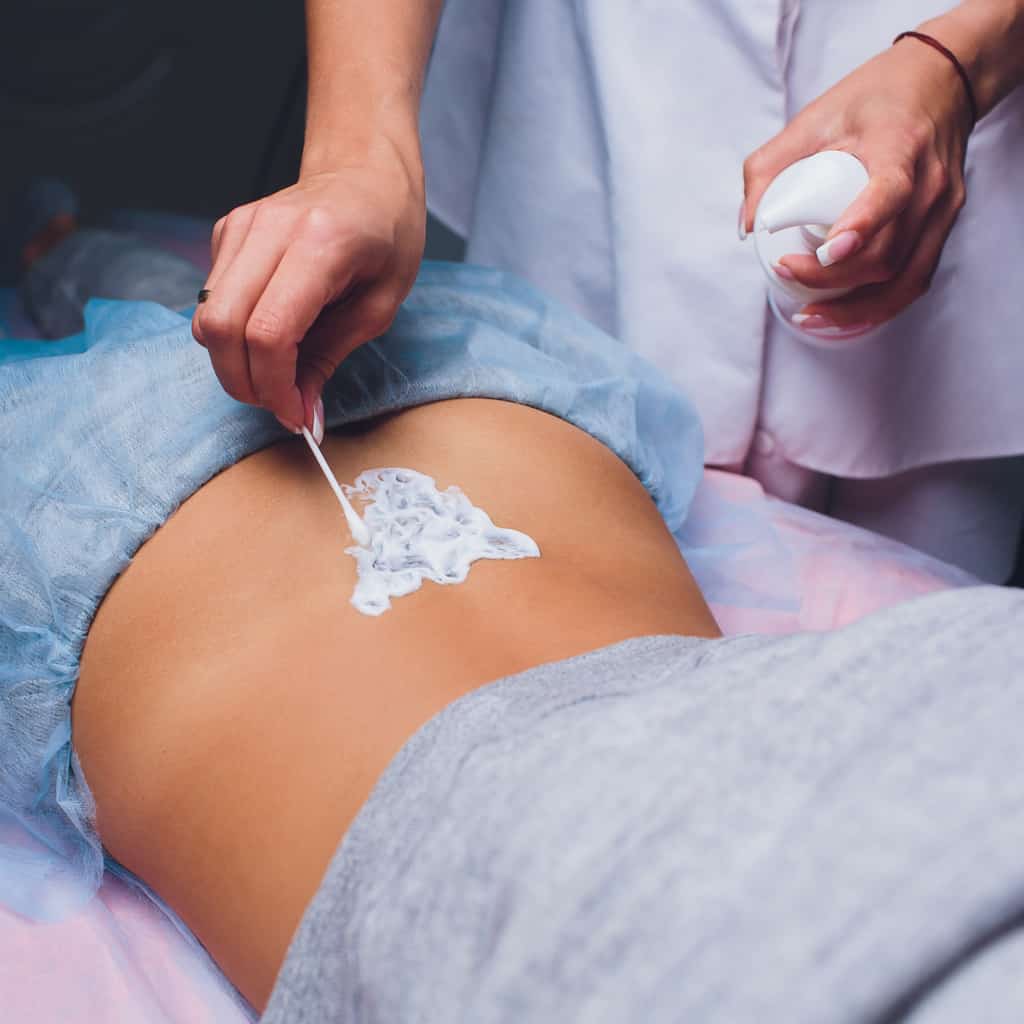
(419, 533)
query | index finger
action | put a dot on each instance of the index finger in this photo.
(297, 292)
(887, 194)
(876, 304)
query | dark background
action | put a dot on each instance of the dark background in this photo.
(189, 107)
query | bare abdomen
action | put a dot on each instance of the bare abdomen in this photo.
(234, 710)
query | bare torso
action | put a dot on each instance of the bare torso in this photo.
(234, 710)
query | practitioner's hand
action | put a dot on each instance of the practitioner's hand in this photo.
(905, 114)
(304, 276)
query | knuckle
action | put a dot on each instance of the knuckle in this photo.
(321, 224)
(233, 219)
(265, 329)
(958, 194)
(921, 132)
(238, 393)
(218, 326)
(391, 298)
(755, 164)
(937, 183)
(922, 286)
(901, 182)
(262, 216)
(377, 315)
(269, 215)
(238, 218)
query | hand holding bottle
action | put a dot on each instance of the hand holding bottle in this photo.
(906, 114)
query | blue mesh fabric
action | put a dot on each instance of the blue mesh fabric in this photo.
(101, 442)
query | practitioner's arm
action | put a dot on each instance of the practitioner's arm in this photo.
(907, 116)
(330, 258)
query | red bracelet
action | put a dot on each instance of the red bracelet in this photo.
(960, 70)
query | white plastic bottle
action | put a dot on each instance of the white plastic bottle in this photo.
(794, 217)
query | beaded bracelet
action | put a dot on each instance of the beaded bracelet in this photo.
(946, 52)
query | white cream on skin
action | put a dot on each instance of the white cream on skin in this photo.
(418, 532)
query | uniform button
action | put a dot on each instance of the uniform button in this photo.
(764, 443)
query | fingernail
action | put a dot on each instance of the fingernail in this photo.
(741, 228)
(288, 426)
(784, 272)
(811, 321)
(852, 330)
(318, 421)
(839, 248)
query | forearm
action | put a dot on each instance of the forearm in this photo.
(367, 60)
(988, 38)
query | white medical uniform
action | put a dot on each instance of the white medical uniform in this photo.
(595, 147)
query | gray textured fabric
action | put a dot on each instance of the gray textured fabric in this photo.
(819, 828)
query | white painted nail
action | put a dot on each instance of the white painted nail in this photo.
(741, 228)
(838, 248)
(318, 421)
(812, 321)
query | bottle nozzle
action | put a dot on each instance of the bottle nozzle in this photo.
(812, 193)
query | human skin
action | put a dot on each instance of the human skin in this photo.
(302, 277)
(327, 261)
(905, 114)
(234, 710)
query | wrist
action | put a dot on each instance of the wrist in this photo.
(359, 109)
(987, 37)
(937, 83)
(386, 139)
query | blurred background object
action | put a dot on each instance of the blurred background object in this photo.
(189, 108)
